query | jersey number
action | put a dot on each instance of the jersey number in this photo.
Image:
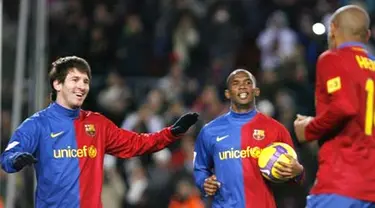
(369, 118)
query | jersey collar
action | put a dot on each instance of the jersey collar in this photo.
(352, 44)
(71, 113)
(246, 116)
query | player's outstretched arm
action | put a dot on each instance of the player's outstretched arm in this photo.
(22, 145)
(125, 144)
(336, 82)
(183, 124)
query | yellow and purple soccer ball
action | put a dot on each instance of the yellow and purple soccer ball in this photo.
(269, 157)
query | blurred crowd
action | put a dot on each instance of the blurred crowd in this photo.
(153, 60)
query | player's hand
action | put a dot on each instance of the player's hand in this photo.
(300, 125)
(301, 117)
(23, 159)
(184, 123)
(211, 185)
(287, 170)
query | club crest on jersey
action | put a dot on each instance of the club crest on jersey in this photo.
(90, 129)
(258, 134)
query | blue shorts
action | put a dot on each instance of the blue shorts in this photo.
(336, 201)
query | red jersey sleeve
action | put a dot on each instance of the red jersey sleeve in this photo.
(333, 81)
(125, 144)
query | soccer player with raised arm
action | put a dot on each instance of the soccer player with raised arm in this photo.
(67, 144)
(227, 150)
(344, 121)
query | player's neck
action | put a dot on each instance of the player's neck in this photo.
(349, 41)
(63, 104)
(242, 108)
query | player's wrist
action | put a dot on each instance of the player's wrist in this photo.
(300, 169)
(310, 130)
(15, 161)
(299, 176)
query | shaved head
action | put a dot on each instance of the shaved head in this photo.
(231, 75)
(353, 22)
(241, 90)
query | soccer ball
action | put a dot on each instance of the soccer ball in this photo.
(270, 155)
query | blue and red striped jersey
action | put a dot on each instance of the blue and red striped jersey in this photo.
(70, 147)
(229, 147)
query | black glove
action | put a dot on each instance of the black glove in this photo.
(23, 159)
(184, 123)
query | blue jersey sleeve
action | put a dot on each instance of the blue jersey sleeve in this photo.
(24, 139)
(203, 162)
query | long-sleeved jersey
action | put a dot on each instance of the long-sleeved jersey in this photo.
(344, 122)
(70, 147)
(229, 147)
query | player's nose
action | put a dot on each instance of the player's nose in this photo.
(81, 85)
(243, 86)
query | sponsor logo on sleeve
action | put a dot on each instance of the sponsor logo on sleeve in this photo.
(333, 85)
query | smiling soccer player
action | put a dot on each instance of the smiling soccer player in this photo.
(68, 144)
(227, 150)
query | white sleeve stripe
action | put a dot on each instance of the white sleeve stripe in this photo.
(11, 145)
(195, 155)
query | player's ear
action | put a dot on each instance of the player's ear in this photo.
(227, 94)
(332, 29)
(57, 85)
(256, 92)
(368, 35)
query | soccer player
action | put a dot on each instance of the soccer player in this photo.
(227, 150)
(67, 144)
(344, 121)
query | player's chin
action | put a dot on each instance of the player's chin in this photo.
(244, 101)
(78, 102)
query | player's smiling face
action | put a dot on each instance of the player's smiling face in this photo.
(241, 89)
(73, 91)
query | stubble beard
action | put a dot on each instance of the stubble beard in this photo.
(76, 103)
